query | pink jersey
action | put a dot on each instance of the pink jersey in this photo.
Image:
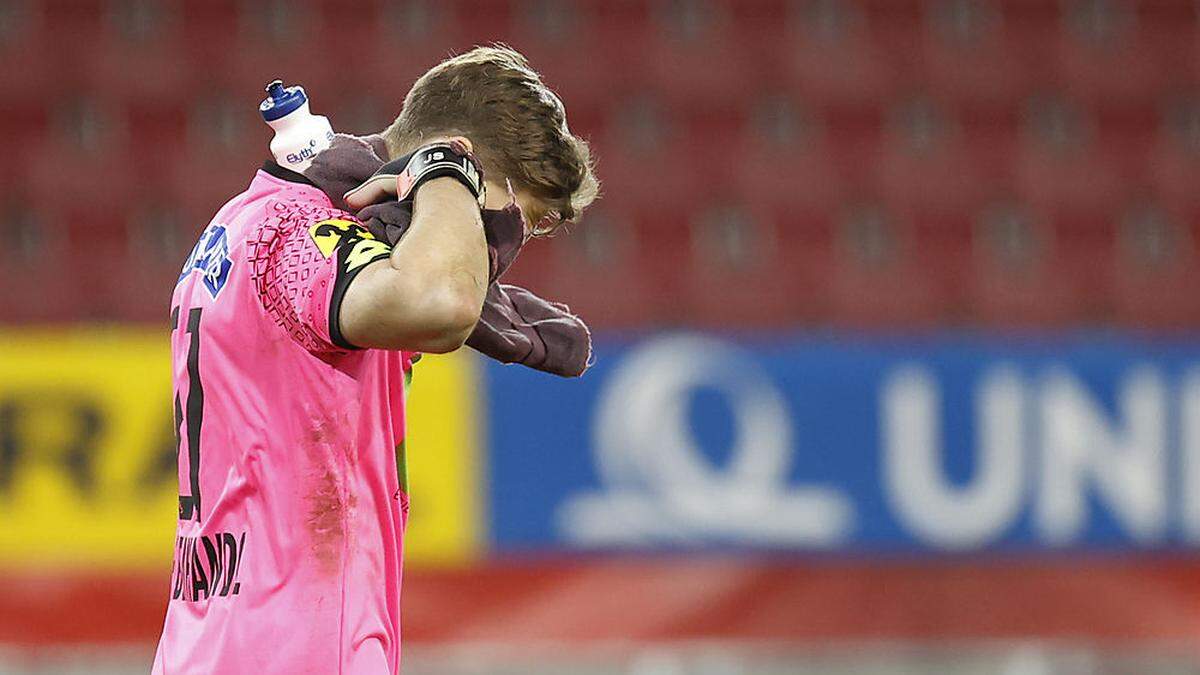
(292, 498)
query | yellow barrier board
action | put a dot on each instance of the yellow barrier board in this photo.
(88, 474)
(445, 466)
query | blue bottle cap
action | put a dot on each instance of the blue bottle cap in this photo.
(280, 100)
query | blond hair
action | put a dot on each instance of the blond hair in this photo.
(517, 125)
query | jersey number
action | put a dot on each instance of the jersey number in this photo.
(189, 504)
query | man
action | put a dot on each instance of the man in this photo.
(291, 331)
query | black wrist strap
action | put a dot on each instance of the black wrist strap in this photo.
(403, 176)
(436, 161)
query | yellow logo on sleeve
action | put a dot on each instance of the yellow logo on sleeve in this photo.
(331, 233)
(366, 251)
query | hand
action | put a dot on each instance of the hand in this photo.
(400, 178)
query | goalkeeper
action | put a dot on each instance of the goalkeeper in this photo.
(293, 327)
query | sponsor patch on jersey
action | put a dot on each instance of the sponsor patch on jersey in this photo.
(331, 233)
(357, 245)
(354, 247)
(364, 252)
(210, 257)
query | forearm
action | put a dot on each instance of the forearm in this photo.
(444, 247)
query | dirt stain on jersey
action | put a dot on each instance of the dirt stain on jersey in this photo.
(326, 521)
(330, 503)
(329, 432)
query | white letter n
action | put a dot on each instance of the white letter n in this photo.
(1080, 448)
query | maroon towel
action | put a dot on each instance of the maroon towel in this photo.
(515, 326)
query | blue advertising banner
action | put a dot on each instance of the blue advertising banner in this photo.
(845, 443)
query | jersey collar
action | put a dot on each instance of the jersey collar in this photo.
(273, 168)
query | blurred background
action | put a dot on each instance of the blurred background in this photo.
(895, 306)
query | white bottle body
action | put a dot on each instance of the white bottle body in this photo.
(299, 136)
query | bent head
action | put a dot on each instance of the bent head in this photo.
(517, 126)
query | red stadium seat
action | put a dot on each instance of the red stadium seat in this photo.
(271, 39)
(1127, 131)
(39, 285)
(605, 269)
(853, 135)
(202, 190)
(25, 126)
(224, 147)
(886, 271)
(1032, 268)
(210, 28)
(87, 245)
(832, 56)
(925, 164)
(88, 138)
(1155, 260)
(570, 44)
(405, 40)
(33, 65)
(646, 155)
(140, 52)
(711, 131)
(158, 134)
(128, 260)
(40, 293)
(1166, 31)
(391, 52)
(943, 239)
(359, 112)
(1104, 55)
(751, 268)
(1060, 163)
(980, 52)
(99, 254)
(359, 18)
(786, 159)
(662, 252)
(694, 56)
(478, 22)
(1174, 154)
(159, 239)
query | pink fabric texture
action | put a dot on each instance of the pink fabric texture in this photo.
(285, 264)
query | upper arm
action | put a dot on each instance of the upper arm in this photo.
(303, 266)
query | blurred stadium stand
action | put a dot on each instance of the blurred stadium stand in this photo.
(893, 166)
(857, 155)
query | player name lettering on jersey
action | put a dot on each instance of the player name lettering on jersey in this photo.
(207, 566)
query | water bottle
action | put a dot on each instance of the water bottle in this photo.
(299, 134)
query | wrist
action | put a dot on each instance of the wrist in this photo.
(439, 160)
(443, 185)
